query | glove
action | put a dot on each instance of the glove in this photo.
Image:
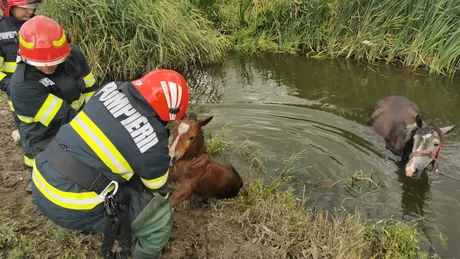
(4, 85)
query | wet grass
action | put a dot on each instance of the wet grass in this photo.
(226, 141)
(124, 39)
(272, 216)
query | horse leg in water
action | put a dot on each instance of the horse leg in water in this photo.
(184, 191)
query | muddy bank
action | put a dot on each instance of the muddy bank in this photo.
(24, 232)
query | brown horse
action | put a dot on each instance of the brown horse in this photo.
(192, 167)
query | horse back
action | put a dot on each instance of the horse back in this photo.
(221, 181)
(390, 111)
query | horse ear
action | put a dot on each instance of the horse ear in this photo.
(446, 130)
(419, 121)
(203, 122)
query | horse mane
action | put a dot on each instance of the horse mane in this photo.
(435, 127)
(192, 116)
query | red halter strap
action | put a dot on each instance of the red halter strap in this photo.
(433, 154)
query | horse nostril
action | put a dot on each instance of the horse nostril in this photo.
(415, 173)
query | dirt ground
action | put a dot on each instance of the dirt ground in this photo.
(194, 235)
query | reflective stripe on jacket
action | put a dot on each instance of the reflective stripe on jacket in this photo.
(113, 137)
(43, 103)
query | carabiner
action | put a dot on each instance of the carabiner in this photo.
(105, 192)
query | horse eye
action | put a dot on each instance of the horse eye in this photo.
(436, 145)
(191, 138)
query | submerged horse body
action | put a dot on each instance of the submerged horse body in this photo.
(397, 119)
(193, 168)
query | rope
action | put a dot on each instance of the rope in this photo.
(451, 177)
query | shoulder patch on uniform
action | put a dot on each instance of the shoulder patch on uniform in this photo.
(8, 35)
(46, 81)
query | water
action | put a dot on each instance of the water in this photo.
(287, 104)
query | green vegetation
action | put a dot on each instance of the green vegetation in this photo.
(124, 39)
(414, 33)
(277, 221)
(29, 235)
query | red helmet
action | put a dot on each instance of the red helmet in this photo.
(166, 91)
(7, 4)
(42, 42)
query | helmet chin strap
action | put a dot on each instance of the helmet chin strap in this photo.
(12, 12)
(14, 15)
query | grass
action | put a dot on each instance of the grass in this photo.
(28, 235)
(416, 34)
(123, 39)
(273, 217)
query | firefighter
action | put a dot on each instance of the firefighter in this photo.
(15, 14)
(51, 83)
(88, 172)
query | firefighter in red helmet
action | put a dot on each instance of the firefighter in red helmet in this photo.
(107, 170)
(15, 14)
(52, 82)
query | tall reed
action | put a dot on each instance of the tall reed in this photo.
(123, 39)
(415, 33)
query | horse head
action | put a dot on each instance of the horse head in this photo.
(428, 143)
(188, 140)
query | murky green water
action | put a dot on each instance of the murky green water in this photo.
(287, 104)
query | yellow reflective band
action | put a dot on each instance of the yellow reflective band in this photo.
(58, 43)
(88, 96)
(11, 105)
(29, 161)
(48, 110)
(89, 80)
(68, 200)
(1, 60)
(167, 196)
(25, 118)
(24, 43)
(101, 145)
(156, 183)
(9, 67)
(78, 103)
(2, 75)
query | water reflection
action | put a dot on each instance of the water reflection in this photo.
(415, 193)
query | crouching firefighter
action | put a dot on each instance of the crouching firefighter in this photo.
(106, 171)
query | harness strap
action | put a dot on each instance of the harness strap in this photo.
(118, 228)
(74, 169)
(433, 154)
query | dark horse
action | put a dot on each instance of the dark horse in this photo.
(192, 167)
(397, 119)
